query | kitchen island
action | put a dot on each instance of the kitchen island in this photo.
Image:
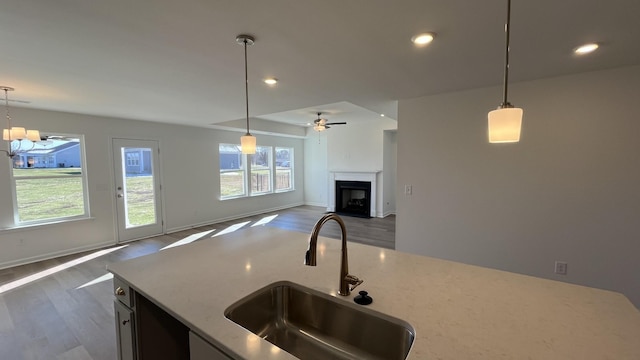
(458, 311)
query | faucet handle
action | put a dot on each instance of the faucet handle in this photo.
(353, 280)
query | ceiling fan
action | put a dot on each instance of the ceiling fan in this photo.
(322, 124)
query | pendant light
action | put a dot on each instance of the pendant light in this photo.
(506, 121)
(247, 141)
(13, 133)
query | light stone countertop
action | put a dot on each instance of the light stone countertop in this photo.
(458, 311)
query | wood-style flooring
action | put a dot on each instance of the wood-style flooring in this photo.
(64, 316)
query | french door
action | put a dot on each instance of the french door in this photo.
(138, 197)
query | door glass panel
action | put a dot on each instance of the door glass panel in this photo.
(139, 192)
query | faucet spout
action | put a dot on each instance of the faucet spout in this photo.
(310, 256)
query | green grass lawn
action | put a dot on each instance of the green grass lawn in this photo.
(141, 204)
(41, 199)
(232, 183)
(33, 172)
(46, 198)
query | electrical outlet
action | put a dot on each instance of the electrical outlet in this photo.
(561, 268)
(408, 189)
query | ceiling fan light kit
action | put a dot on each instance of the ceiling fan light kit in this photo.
(321, 124)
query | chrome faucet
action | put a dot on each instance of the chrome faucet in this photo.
(310, 257)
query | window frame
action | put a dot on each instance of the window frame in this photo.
(291, 170)
(270, 167)
(247, 172)
(242, 169)
(14, 180)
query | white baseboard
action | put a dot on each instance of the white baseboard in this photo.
(230, 218)
(311, 203)
(56, 254)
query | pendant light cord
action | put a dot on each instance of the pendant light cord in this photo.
(246, 85)
(6, 106)
(507, 29)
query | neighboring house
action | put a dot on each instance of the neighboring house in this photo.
(56, 154)
(66, 154)
(230, 157)
(137, 161)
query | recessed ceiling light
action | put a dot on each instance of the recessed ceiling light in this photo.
(382, 115)
(586, 49)
(423, 39)
(270, 81)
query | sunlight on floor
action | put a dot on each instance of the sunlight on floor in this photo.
(232, 228)
(105, 277)
(265, 220)
(37, 276)
(189, 239)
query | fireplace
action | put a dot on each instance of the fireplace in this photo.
(353, 198)
(354, 177)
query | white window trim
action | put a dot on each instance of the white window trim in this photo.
(56, 220)
(271, 170)
(292, 187)
(246, 168)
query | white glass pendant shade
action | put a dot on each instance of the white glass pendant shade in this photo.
(505, 125)
(248, 144)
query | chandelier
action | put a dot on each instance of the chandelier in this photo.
(19, 139)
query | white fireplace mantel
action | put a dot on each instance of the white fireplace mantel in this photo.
(367, 176)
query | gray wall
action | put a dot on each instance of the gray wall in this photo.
(570, 190)
(389, 170)
(190, 187)
(315, 169)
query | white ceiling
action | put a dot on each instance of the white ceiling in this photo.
(178, 61)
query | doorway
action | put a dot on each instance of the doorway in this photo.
(138, 196)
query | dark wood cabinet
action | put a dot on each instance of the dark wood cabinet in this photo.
(145, 331)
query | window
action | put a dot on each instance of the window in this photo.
(284, 172)
(239, 180)
(232, 171)
(133, 159)
(261, 170)
(49, 180)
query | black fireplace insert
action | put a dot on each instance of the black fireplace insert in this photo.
(353, 198)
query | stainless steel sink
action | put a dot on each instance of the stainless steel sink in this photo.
(311, 325)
